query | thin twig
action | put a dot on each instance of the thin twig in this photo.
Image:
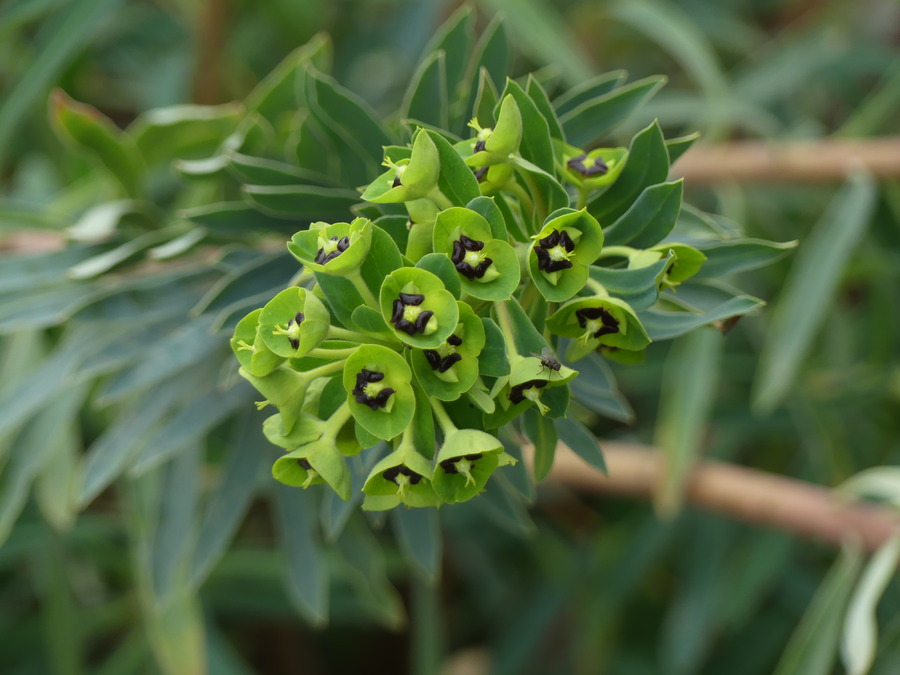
(744, 494)
(824, 160)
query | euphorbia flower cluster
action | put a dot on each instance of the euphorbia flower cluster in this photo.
(432, 336)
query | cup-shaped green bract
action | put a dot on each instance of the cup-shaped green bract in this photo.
(316, 462)
(493, 145)
(306, 429)
(488, 268)
(407, 179)
(378, 385)
(337, 248)
(451, 369)
(404, 476)
(293, 322)
(686, 263)
(283, 388)
(464, 463)
(250, 349)
(561, 252)
(419, 309)
(599, 321)
(529, 375)
(590, 170)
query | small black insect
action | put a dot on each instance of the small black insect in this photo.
(548, 359)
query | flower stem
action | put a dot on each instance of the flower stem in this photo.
(440, 200)
(446, 424)
(617, 252)
(597, 287)
(337, 333)
(582, 198)
(360, 285)
(326, 369)
(505, 323)
(337, 420)
(322, 353)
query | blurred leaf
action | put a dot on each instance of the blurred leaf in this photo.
(860, 636)
(581, 441)
(231, 497)
(28, 272)
(177, 522)
(190, 425)
(649, 219)
(588, 90)
(40, 440)
(542, 101)
(419, 535)
(302, 202)
(663, 325)
(307, 574)
(809, 290)
(688, 388)
(594, 118)
(454, 37)
(426, 97)
(91, 131)
(544, 36)
(676, 147)
(878, 109)
(111, 453)
(58, 41)
(879, 482)
(732, 257)
(366, 570)
(183, 131)
(492, 54)
(813, 645)
(276, 93)
(542, 434)
(237, 219)
(104, 262)
(596, 389)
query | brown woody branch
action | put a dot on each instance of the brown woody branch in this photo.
(823, 160)
(744, 494)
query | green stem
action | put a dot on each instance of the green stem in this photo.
(582, 198)
(356, 279)
(328, 368)
(337, 420)
(446, 424)
(337, 333)
(330, 353)
(599, 288)
(539, 201)
(440, 200)
(520, 192)
(505, 323)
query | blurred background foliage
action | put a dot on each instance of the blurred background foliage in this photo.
(575, 584)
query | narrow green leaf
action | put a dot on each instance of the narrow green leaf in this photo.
(688, 389)
(593, 119)
(647, 164)
(731, 257)
(302, 202)
(104, 262)
(456, 180)
(541, 100)
(813, 646)
(92, 132)
(664, 325)
(588, 90)
(809, 289)
(58, 41)
(307, 573)
(232, 495)
(581, 441)
(187, 132)
(860, 636)
(236, 219)
(419, 534)
(426, 97)
(542, 434)
(678, 146)
(650, 218)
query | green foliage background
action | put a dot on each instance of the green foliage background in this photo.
(573, 584)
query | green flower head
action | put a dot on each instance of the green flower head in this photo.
(316, 462)
(494, 145)
(451, 369)
(590, 170)
(465, 461)
(419, 309)
(530, 374)
(599, 321)
(685, 263)
(561, 252)
(251, 350)
(488, 268)
(337, 248)
(293, 322)
(407, 179)
(379, 390)
(404, 476)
